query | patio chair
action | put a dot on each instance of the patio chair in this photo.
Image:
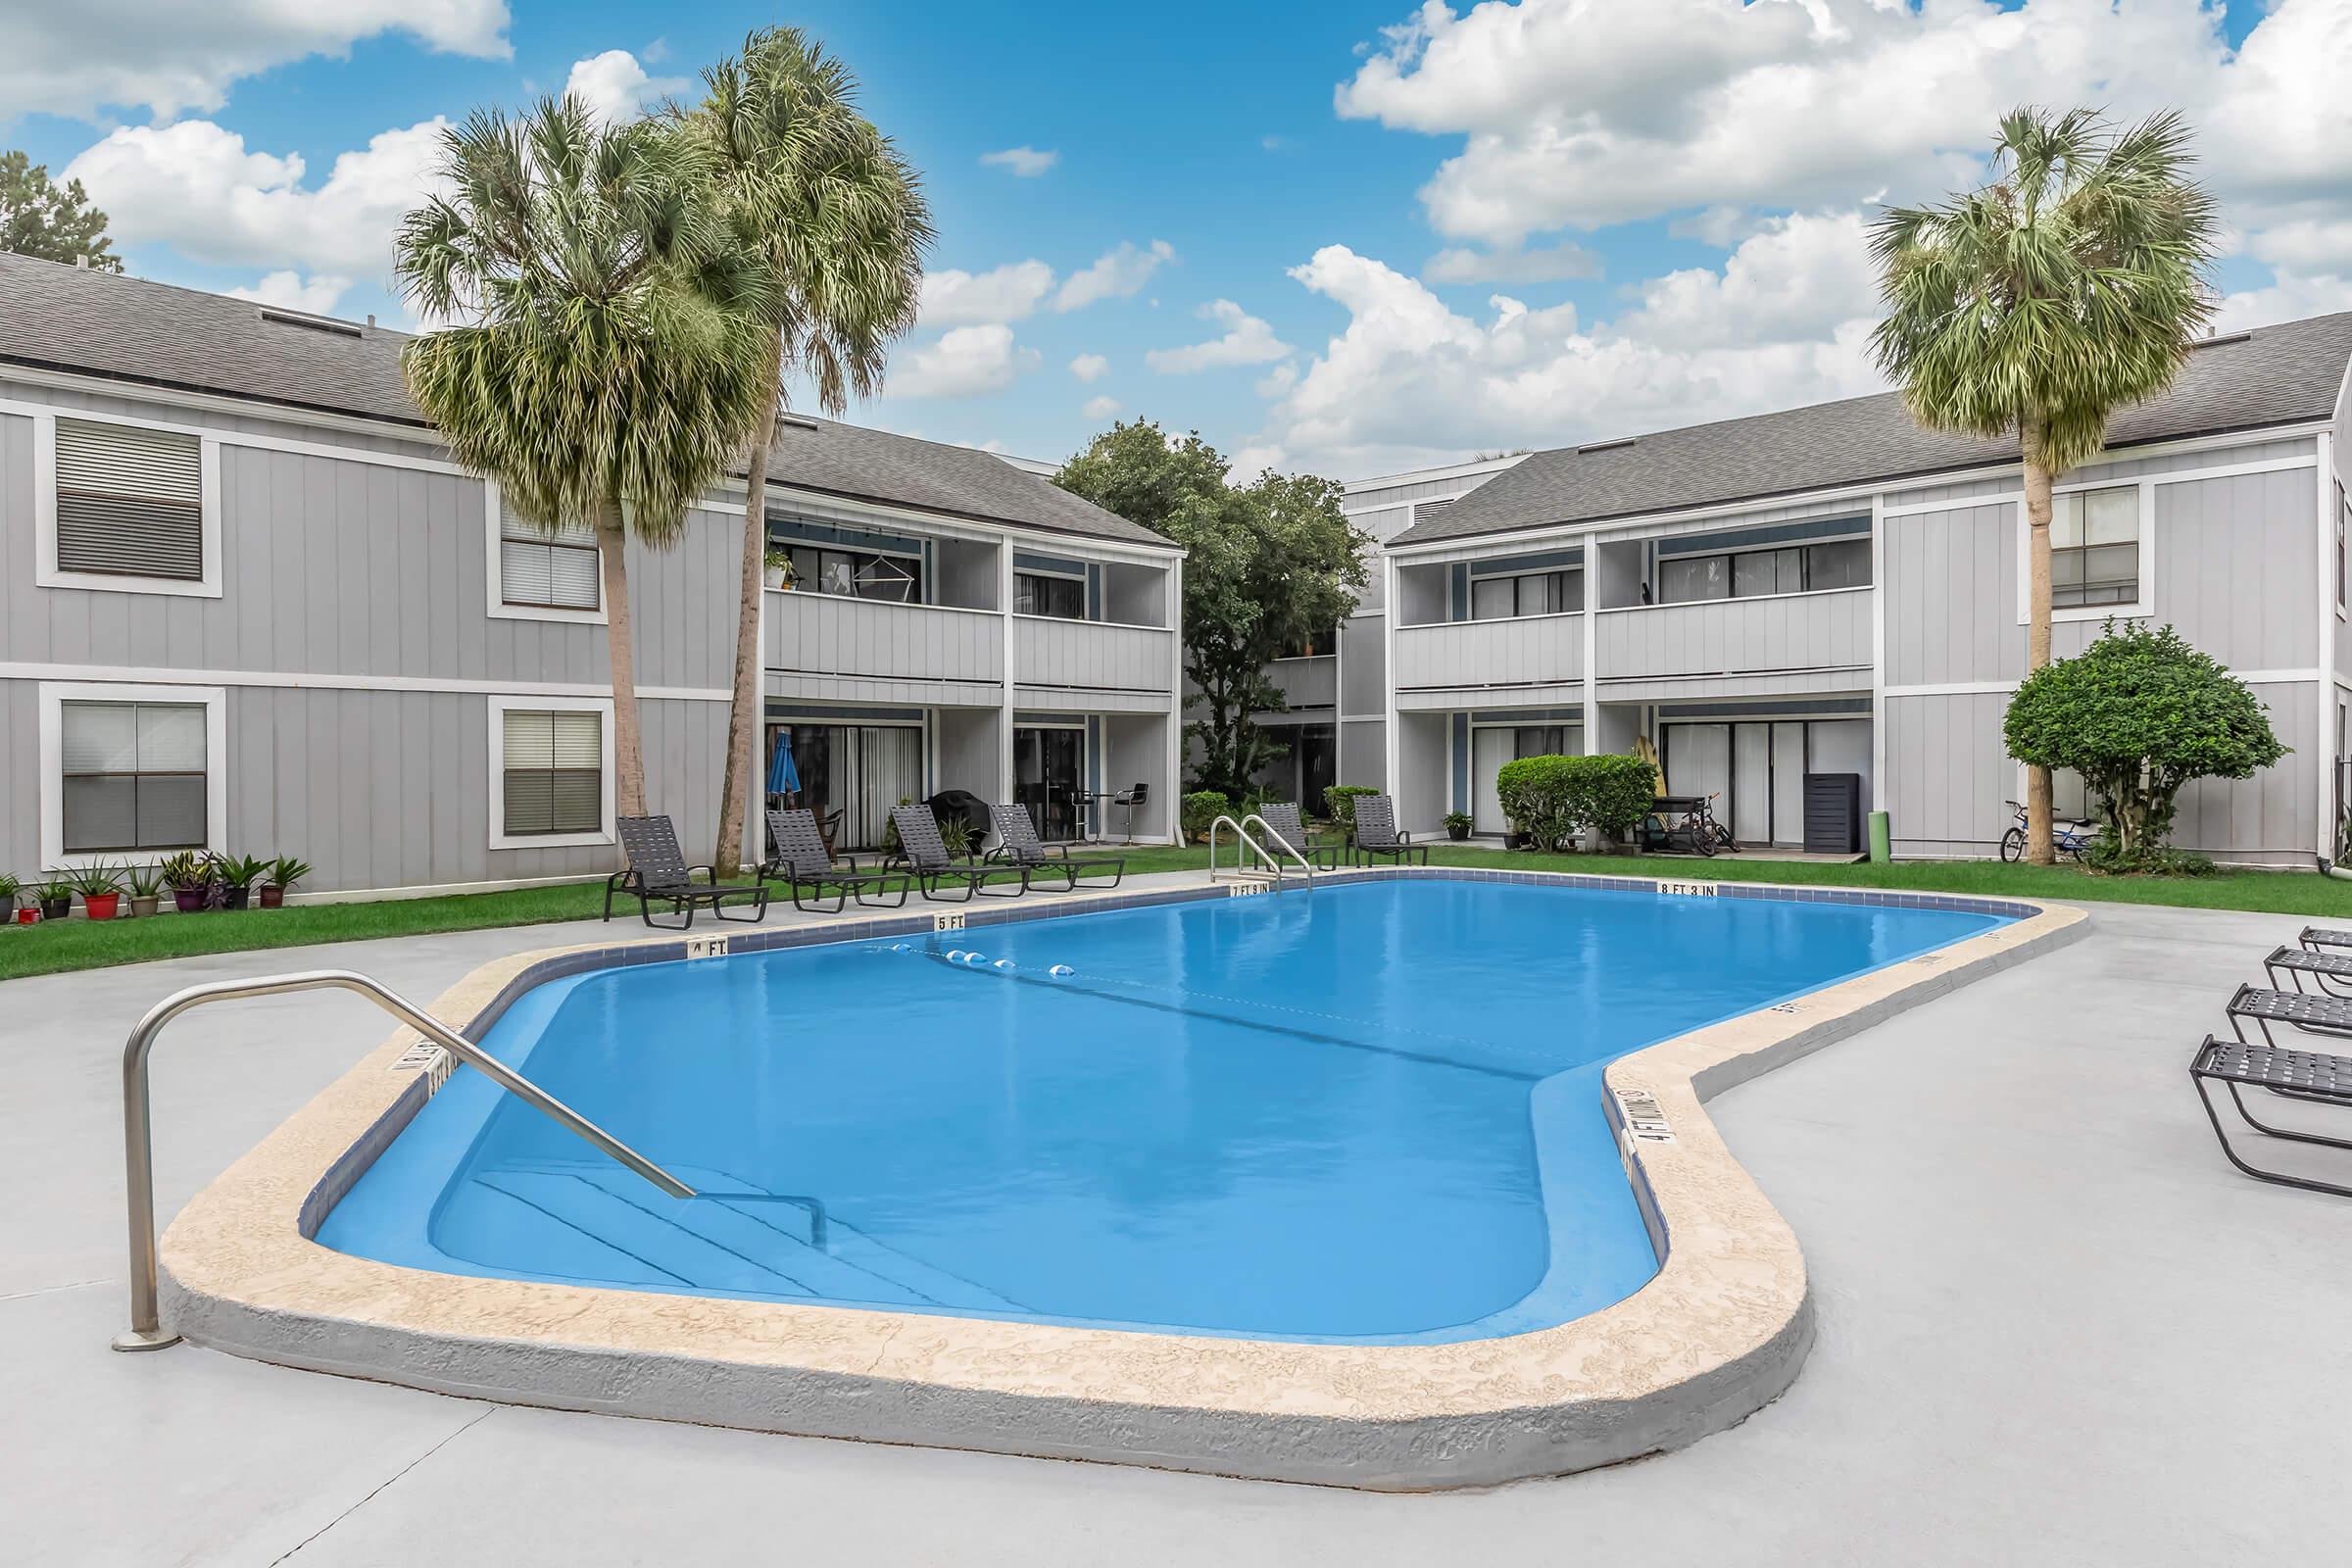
(1377, 834)
(1017, 845)
(657, 874)
(1290, 825)
(797, 856)
(930, 865)
(2315, 937)
(2295, 1074)
(2331, 972)
(2313, 1014)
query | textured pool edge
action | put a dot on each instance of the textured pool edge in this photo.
(1718, 1333)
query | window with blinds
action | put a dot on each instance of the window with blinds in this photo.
(546, 571)
(134, 776)
(129, 501)
(555, 781)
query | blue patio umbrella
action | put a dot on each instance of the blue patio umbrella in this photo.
(783, 778)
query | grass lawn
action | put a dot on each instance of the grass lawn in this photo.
(54, 949)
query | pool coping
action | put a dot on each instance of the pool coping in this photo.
(1719, 1332)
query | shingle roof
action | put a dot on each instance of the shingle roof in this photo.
(2275, 375)
(155, 334)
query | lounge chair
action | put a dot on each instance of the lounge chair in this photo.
(657, 874)
(2297, 1074)
(2315, 937)
(930, 865)
(797, 856)
(1017, 845)
(2313, 1014)
(1377, 834)
(1290, 825)
(2331, 972)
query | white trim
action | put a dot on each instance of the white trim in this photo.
(495, 573)
(212, 403)
(2140, 609)
(2005, 497)
(1972, 688)
(50, 699)
(1837, 514)
(894, 604)
(1436, 476)
(231, 438)
(2324, 717)
(499, 706)
(276, 680)
(1877, 657)
(47, 573)
(1745, 599)
(1072, 620)
(1084, 544)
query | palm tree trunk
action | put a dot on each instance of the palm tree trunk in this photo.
(628, 744)
(745, 709)
(2040, 849)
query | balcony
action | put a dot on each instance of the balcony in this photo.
(832, 647)
(1311, 682)
(1093, 665)
(1523, 659)
(1769, 646)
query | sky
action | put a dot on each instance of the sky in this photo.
(1349, 237)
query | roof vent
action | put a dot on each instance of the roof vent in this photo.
(1607, 445)
(798, 421)
(312, 324)
(1424, 509)
(2216, 342)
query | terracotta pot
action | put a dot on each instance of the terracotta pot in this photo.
(235, 897)
(188, 901)
(141, 908)
(101, 906)
(273, 896)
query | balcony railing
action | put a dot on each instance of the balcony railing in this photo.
(1312, 682)
(1091, 655)
(1460, 655)
(834, 634)
(1828, 629)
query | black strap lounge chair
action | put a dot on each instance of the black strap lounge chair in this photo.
(1017, 845)
(2331, 972)
(1290, 825)
(1377, 836)
(797, 856)
(2313, 1014)
(2315, 937)
(932, 867)
(2295, 1074)
(657, 874)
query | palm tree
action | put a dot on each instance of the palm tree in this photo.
(2069, 286)
(610, 345)
(837, 220)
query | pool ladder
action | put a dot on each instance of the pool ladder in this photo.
(146, 1332)
(1253, 860)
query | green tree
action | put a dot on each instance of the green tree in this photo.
(1266, 565)
(823, 201)
(2069, 286)
(611, 343)
(2140, 714)
(55, 222)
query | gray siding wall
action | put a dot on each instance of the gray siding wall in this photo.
(1780, 632)
(1080, 653)
(1305, 682)
(1425, 770)
(969, 752)
(1135, 749)
(832, 634)
(1523, 651)
(1363, 666)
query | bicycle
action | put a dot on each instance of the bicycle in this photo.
(2068, 837)
(1697, 832)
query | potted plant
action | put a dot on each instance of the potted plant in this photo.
(100, 889)
(54, 898)
(778, 568)
(145, 882)
(189, 876)
(283, 873)
(8, 899)
(237, 874)
(1457, 825)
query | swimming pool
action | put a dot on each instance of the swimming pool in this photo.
(1371, 1114)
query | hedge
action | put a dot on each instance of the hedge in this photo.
(1552, 798)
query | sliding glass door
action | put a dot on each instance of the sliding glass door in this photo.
(859, 771)
(1049, 769)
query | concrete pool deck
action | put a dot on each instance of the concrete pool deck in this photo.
(2053, 1326)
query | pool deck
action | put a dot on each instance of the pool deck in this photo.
(2053, 1326)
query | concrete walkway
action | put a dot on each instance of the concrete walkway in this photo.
(2054, 1328)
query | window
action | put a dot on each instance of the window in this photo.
(133, 776)
(1756, 573)
(129, 501)
(549, 570)
(1034, 593)
(858, 575)
(1687, 579)
(2094, 546)
(1838, 563)
(554, 774)
(1532, 593)
(2343, 567)
(1315, 646)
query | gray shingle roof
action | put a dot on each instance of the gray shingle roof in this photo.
(155, 334)
(2279, 374)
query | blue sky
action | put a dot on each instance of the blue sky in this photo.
(1648, 211)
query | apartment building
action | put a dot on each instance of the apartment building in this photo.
(249, 603)
(1834, 590)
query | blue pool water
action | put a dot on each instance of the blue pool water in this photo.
(1371, 1112)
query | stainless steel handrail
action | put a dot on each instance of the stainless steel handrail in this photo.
(1241, 831)
(146, 1330)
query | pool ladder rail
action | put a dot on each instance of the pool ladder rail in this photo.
(146, 1332)
(1253, 860)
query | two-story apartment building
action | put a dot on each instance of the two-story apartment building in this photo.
(249, 603)
(1836, 590)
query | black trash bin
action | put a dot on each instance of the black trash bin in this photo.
(1833, 813)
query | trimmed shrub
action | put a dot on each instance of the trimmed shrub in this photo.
(1618, 793)
(1552, 798)
(1202, 808)
(1341, 799)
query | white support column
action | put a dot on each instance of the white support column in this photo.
(1005, 712)
(1877, 653)
(1170, 804)
(1392, 739)
(2324, 694)
(1591, 633)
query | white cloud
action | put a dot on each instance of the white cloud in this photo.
(1026, 163)
(169, 56)
(1089, 368)
(197, 188)
(1098, 409)
(1005, 293)
(1275, 382)
(962, 363)
(1512, 263)
(290, 290)
(615, 86)
(1247, 340)
(1116, 274)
